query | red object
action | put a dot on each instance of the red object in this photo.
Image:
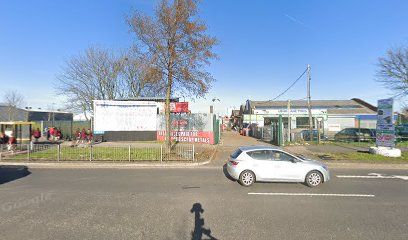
(179, 107)
(83, 134)
(12, 140)
(234, 163)
(188, 136)
(36, 134)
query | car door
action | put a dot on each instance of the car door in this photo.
(285, 166)
(263, 165)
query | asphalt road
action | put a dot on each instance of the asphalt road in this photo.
(196, 203)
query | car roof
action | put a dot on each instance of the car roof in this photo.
(259, 147)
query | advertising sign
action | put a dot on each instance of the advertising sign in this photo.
(179, 107)
(124, 116)
(188, 136)
(385, 135)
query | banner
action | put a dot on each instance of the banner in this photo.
(385, 134)
(112, 115)
(188, 136)
(179, 107)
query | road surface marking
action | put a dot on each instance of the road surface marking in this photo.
(375, 176)
(314, 194)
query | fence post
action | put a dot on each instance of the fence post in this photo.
(129, 153)
(161, 153)
(59, 152)
(28, 152)
(193, 153)
(90, 153)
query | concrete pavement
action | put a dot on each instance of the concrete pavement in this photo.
(190, 203)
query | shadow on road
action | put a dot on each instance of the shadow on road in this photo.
(224, 169)
(199, 229)
(11, 173)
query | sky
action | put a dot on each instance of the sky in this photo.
(264, 45)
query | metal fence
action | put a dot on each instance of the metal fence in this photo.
(57, 152)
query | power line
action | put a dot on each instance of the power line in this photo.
(290, 85)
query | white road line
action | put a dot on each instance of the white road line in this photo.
(314, 194)
(375, 176)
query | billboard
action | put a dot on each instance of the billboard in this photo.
(110, 115)
(385, 134)
(179, 107)
(192, 128)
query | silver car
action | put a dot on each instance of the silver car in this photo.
(272, 164)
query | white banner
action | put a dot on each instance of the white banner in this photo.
(124, 116)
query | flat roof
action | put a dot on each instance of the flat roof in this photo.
(17, 123)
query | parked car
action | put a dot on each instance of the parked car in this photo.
(355, 134)
(306, 135)
(402, 131)
(272, 164)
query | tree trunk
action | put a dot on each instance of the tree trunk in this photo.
(167, 108)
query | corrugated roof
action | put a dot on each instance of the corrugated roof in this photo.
(303, 103)
(353, 106)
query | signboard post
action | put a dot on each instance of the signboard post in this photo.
(385, 135)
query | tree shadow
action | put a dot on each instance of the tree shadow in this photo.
(199, 230)
(11, 173)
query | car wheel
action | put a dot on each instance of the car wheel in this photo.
(314, 179)
(247, 178)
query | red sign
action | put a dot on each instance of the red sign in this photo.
(179, 107)
(188, 136)
(179, 123)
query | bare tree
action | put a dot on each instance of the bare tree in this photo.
(139, 78)
(393, 70)
(175, 40)
(13, 100)
(100, 74)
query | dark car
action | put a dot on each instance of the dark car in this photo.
(306, 135)
(355, 134)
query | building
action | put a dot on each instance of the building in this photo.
(143, 119)
(334, 115)
(39, 117)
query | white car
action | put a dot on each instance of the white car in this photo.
(272, 164)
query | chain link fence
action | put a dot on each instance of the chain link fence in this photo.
(58, 152)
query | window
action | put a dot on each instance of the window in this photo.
(281, 156)
(236, 153)
(260, 154)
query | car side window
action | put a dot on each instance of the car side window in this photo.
(281, 156)
(260, 154)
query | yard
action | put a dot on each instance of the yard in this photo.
(346, 151)
(179, 152)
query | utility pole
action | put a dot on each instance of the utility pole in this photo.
(289, 122)
(309, 107)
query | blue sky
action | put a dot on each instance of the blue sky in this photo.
(264, 45)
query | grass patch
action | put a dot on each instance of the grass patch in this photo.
(182, 153)
(362, 157)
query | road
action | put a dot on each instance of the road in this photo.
(197, 203)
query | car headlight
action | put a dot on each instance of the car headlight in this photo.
(325, 167)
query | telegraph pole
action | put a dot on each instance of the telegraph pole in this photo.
(289, 122)
(309, 107)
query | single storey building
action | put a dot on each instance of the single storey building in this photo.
(334, 115)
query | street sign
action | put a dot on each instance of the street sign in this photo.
(385, 134)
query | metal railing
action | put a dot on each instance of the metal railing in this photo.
(59, 152)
